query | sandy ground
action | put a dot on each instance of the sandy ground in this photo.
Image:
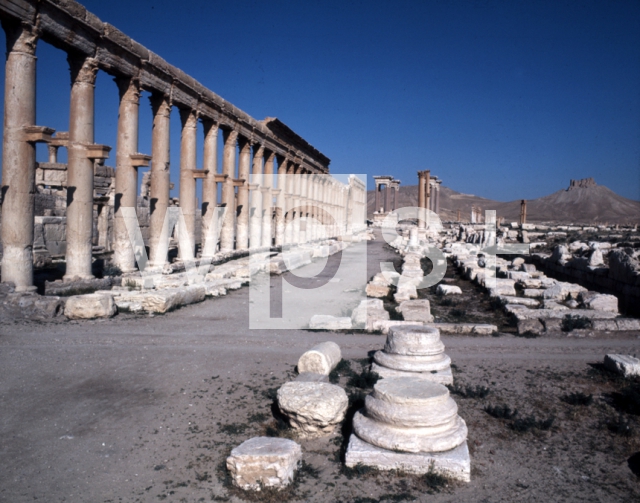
(147, 408)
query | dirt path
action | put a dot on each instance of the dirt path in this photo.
(146, 408)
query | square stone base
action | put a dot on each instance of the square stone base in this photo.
(455, 463)
(440, 376)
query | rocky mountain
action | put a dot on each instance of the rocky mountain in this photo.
(583, 202)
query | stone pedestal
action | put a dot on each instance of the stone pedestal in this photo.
(410, 422)
(413, 350)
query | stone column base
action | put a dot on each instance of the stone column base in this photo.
(441, 376)
(455, 463)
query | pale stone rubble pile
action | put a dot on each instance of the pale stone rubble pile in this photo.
(409, 422)
(163, 291)
(536, 302)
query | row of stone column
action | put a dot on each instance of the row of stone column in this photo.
(249, 214)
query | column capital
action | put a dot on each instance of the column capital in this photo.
(84, 70)
(21, 37)
(129, 89)
(258, 150)
(189, 117)
(160, 104)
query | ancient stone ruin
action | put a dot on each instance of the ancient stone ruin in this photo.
(81, 210)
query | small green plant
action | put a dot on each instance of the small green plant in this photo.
(258, 417)
(578, 398)
(359, 470)
(131, 285)
(525, 424)
(469, 391)
(234, 428)
(501, 411)
(435, 481)
(570, 323)
(343, 368)
(628, 400)
(621, 426)
(365, 380)
(270, 393)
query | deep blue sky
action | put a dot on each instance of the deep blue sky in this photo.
(501, 99)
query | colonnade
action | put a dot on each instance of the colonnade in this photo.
(264, 205)
(391, 186)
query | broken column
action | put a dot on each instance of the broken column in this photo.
(321, 359)
(413, 350)
(411, 425)
(264, 462)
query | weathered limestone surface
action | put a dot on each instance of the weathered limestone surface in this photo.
(599, 301)
(321, 359)
(264, 462)
(626, 365)
(455, 463)
(311, 377)
(158, 301)
(367, 312)
(416, 310)
(413, 350)
(562, 290)
(313, 407)
(89, 306)
(410, 414)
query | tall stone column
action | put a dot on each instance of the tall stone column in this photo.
(267, 202)
(387, 198)
(304, 180)
(80, 168)
(290, 203)
(296, 200)
(242, 217)
(18, 157)
(160, 180)
(313, 207)
(437, 203)
(282, 201)
(188, 160)
(126, 173)
(377, 199)
(257, 184)
(227, 234)
(210, 190)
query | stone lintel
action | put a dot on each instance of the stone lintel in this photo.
(61, 139)
(38, 134)
(254, 186)
(220, 178)
(238, 182)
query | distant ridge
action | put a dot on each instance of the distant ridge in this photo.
(583, 202)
